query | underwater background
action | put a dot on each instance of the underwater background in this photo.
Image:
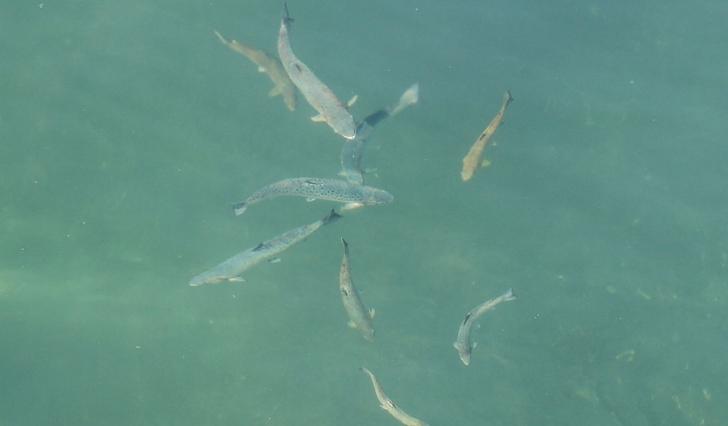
(127, 130)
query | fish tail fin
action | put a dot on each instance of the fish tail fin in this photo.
(286, 16)
(508, 97)
(331, 217)
(239, 208)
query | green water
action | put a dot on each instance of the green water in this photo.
(127, 130)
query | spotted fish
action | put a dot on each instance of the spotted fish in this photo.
(352, 195)
(330, 109)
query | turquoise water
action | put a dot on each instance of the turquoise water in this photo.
(127, 130)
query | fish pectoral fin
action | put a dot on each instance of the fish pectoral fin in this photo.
(237, 279)
(352, 101)
(372, 312)
(352, 206)
(351, 324)
(485, 163)
(474, 345)
(275, 260)
(261, 68)
(275, 91)
(318, 118)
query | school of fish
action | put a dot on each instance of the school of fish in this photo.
(291, 76)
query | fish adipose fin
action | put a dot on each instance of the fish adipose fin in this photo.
(332, 217)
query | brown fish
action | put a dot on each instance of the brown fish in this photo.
(283, 86)
(472, 160)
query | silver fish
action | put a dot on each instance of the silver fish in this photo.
(231, 269)
(352, 195)
(353, 151)
(389, 406)
(462, 343)
(319, 96)
(359, 317)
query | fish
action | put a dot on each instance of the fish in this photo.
(472, 160)
(389, 406)
(282, 85)
(232, 269)
(462, 343)
(319, 96)
(354, 196)
(359, 317)
(352, 151)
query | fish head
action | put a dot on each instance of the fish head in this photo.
(378, 196)
(205, 278)
(463, 352)
(368, 334)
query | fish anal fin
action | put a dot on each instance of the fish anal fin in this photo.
(310, 199)
(351, 324)
(275, 260)
(372, 312)
(318, 118)
(236, 279)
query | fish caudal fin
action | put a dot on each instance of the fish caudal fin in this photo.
(239, 208)
(332, 217)
(286, 16)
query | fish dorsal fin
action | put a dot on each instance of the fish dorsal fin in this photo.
(260, 247)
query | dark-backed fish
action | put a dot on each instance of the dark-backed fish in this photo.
(352, 152)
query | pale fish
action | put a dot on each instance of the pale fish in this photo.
(389, 406)
(359, 317)
(462, 343)
(231, 269)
